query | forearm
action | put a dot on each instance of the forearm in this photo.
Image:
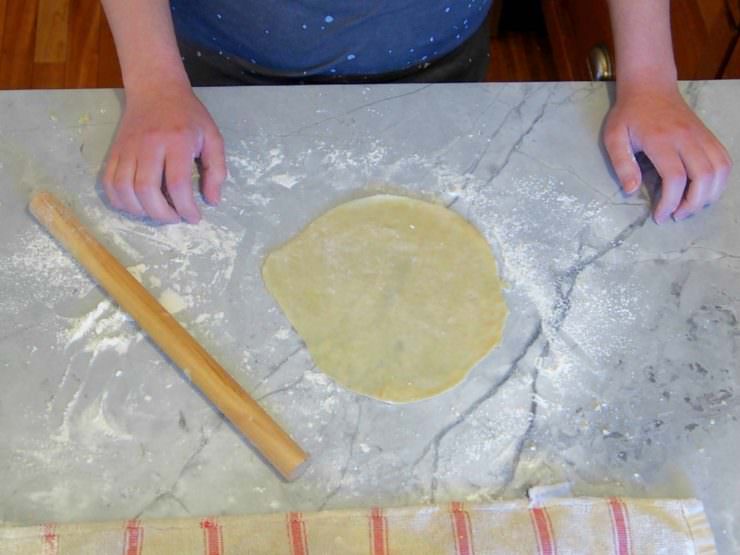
(642, 37)
(146, 44)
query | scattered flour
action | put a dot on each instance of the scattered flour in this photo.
(47, 273)
(285, 180)
(95, 421)
(258, 199)
(138, 271)
(83, 325)
(172, 301)
(283, 333)
(106, 327)
(538, 261)
(530, 252)
(317, 378)
(50, 275)
(181, 246)
(534, 256)
(252, 167)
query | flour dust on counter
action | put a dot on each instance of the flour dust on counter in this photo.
(110, 379)
(549, 227)
(48, 273)
(256, 166)
(105, 327)
(617, 370)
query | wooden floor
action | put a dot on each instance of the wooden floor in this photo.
(56, 44)
(50, 44)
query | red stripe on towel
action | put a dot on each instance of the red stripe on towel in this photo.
(378, 532)
(213, 539)
(50, 539)
(133, 538)
(620, 527)
(297, 534)
(462, 529)
(543, 531)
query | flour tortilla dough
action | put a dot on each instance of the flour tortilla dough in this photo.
(396, 298)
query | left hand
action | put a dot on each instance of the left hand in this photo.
(692, 163)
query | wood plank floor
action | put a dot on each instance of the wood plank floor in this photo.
(51, 44)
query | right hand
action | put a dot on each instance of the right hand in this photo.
(162, 131)
(692, 163)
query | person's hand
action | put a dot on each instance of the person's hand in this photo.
(149, 169)
(692, 163)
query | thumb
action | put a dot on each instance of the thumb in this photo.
(617, 143)
(213, 165)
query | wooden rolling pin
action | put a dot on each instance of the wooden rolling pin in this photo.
(215, 383)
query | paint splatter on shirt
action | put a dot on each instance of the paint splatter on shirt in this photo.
(324, 37)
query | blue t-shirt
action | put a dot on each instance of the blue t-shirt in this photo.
(327, 37)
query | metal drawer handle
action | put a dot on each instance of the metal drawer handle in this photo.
(600, 65)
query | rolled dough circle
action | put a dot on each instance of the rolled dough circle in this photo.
(396, 298)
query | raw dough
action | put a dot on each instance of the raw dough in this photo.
(396, 298)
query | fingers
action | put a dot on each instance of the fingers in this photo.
(694, 174)
(107, 181)
(157, 139)
(701, 175)
(148, 186)
(706, 164)
(617, 143)
(178, 172)
(213, 166)
(673, 175)
(135, 185)
(123, 185)
(682, 149)
(722, 163)
(131, 184)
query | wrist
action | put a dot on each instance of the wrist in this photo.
(163, 83)
(647, 80)
(165, 72)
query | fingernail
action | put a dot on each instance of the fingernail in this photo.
(631, 185)
(678, 216)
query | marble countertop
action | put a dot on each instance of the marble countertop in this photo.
(618, 370)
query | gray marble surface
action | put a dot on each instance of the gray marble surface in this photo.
(617, 372)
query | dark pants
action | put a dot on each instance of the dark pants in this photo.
(467, 63)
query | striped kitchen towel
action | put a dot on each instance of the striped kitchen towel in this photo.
(550, 527)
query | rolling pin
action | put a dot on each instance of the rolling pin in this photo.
(200, 367)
